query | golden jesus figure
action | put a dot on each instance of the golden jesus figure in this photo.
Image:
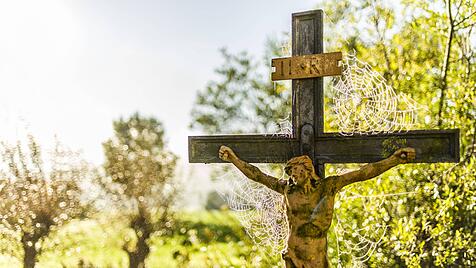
(310, 200)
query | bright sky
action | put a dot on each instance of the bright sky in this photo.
(69, 68)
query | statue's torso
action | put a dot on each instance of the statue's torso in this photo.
(310, 216)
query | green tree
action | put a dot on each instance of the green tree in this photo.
(140, 180)
(38, 197)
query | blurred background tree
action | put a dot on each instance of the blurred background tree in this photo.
(140, 180)
(38, 197)
(243, 100)
(423, 49)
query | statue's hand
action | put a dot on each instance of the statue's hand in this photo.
(226, 154)
(405, 155)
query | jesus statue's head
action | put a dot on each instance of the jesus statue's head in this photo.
(301, 169)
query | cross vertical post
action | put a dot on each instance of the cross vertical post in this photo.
(308, 94)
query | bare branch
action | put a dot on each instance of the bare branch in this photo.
(445, 67)
(464, 20)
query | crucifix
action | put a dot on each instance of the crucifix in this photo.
(310, 197)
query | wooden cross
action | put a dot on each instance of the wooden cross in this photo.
(308, 136)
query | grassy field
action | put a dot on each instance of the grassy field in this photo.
(196, 239)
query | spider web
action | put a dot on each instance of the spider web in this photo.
(355, 241)
(260, 210)
(363, 104)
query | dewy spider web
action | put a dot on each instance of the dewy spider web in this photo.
(363, 103)
(357, 241)
(261, 211)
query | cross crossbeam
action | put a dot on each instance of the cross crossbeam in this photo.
(432, 147)
(308, 137)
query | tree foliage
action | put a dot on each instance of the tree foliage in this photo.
(140, 173)
(426, 50)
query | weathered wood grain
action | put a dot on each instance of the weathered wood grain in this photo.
(250, 148)
(308, 94)
(431, 146)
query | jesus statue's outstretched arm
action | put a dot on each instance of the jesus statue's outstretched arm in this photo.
(372, 170)
(250, 171)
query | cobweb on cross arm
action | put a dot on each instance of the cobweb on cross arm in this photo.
(364, 103)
